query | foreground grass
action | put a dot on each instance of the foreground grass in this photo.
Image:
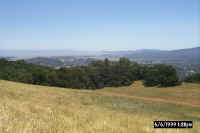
(37, 109)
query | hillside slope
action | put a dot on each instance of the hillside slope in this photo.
(39, 109)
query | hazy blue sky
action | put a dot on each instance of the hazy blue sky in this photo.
(99, 24)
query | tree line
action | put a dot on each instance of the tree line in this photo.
(96, 75)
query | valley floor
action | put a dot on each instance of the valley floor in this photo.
(40, 109)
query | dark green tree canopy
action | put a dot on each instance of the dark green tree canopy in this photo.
(161, 75)
(96, 75)
(194, 78)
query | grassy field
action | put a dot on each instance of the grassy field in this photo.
(40, 109)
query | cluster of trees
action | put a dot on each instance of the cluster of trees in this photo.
(97, 74)
(161, 75)
(194, 78)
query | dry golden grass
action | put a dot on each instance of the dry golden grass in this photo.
(187, 92)
(40, 109)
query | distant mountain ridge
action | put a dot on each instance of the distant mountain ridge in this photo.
(195, 52)
(151, 54)
(186, 61)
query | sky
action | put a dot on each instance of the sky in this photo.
(99, 24)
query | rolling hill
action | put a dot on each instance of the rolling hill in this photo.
(184, 55)
(40, 109)
(186, 61)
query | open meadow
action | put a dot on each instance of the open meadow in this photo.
(28, 108)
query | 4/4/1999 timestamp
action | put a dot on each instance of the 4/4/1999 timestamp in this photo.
(173, 124)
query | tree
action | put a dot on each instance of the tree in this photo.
(194, 78)
(161, 75)
(1, 75)
(123, 61)
(96, 75)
